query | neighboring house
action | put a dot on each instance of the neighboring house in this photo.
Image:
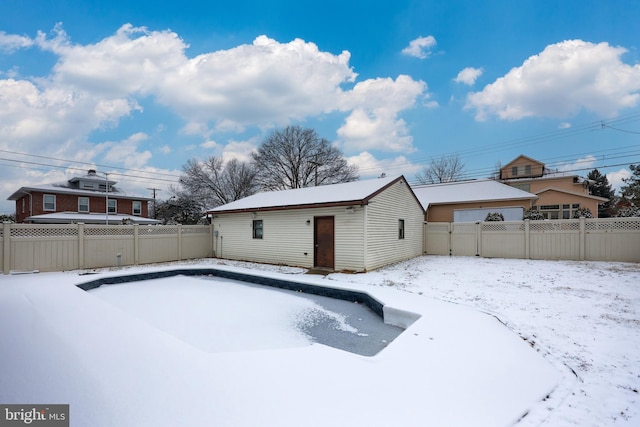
(470, 201)
(80, 199)
(355, 226)
(560, 194)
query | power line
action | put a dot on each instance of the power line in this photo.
(142, 178)
(83, 163)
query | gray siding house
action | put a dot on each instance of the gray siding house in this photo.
(356, 226)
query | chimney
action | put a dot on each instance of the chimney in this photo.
(92, 172)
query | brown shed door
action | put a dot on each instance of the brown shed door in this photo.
(324, 241)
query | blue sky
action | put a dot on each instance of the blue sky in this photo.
(138, 88)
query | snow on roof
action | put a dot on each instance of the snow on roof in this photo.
(88, 218)
(468, 191)
(323, 194)
(64, 188)
(573, 193)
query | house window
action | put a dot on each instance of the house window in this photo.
(49, 202)
(522, 170)
(113, 206)
(83, 204)
(137, 208)
(523, 187)
(401, 229)
(88, 185)
(257, 229)
(550, 211)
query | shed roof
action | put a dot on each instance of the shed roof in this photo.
(467, 192)
(344, 194)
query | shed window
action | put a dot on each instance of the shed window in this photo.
(83, 204)
(401, 229)
(257, 229)
(49, 202)
(137, 208)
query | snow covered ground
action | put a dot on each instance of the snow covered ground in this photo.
(454, 366)
(585, 315)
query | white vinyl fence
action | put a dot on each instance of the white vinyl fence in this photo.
(593, 239)
(30, 247)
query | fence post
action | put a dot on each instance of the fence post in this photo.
(136, 245)
(527, 229)
(450, 238)
(582, 238)
(80, 245)
(6, 239)
(478, 238)
(179, 242)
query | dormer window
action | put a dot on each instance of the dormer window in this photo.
(522, 170)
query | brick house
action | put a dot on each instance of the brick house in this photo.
(80, 199)
(560, 194)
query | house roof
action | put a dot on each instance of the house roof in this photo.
(560, 190)
(468, 192)
(522, 156)
(64, 188)
(87, 218)
(344, 194)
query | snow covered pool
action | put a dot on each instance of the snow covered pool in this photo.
(219, 314)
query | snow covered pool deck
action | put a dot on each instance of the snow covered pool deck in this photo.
(453, 366)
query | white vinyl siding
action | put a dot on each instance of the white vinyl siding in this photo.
(383, 245)
(287, 237)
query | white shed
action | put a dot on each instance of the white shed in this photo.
(355, 226)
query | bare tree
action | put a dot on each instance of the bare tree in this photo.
(296, 158)
(213, 182)
(444, 169)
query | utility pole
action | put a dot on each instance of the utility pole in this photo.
(155, 215)
(106, 198)
(316, 165)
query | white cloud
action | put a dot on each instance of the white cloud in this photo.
(582, 163)
(369, 166)
(375, 105)
(209, 144)
(564, 125)
(239, 150)
(561, 81)
(11, 42)
(126, 152)
(615, 178)
(266, 82)
(165, 149)
(420, 47)
(468, 76)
